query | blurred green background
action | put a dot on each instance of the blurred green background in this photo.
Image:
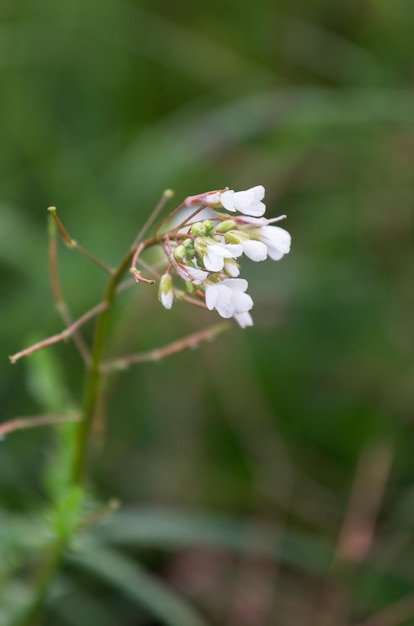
(303, 423)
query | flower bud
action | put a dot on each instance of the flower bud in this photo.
(201, 245)
(209, 226)
(225, 226)
(198, 229)
(166, 291)
(191, 287)
(235, 236)
(231, 268)
(180, 253)
(189, 248)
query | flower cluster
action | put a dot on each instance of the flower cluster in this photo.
(205, 253)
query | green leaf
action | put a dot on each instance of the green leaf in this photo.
(167, 529)
(46, 381)
(148, 592)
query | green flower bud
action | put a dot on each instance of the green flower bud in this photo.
(198, 229)
(191, 287)
(234, 236)
(189, 248)
(180, 253)
(225, 226)
(200, 245)
(209, 226)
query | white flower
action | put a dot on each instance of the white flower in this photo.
(243, 319)
(166, 291)
(231, 268)
(277, 240)
(255, 250)
(189, 273)
(248, 202)
(228, 297)
(216, 253)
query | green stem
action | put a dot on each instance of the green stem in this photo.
(94, 375)
(34, 614)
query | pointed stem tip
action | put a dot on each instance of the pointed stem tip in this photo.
(139, 278)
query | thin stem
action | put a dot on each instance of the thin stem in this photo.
(182, 296)
(149, 269)
(169, 216)
(88, 255)
(57, 293)
(191, 341)
(72, 243)
(138, 244)
(65, 334)
(168, 193)
(46, 575)
(93, 376)
(187, 219)
(19, 423)
(68, 332)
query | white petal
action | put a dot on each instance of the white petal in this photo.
(243, 319)
(214, 258)
(211, 296)
(216, 253)
(225, 306)
(235, 250)
(277, 240)
(212, 198)
(193, 274)
(226, 199)
(256, 209)
(231, 268)
(228, 297)
(219, 297)
(255, 250)
(236, 284)
(242, 302)
(249, 202)
(258, 192)
(167, 299)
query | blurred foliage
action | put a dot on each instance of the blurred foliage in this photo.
(104, 105)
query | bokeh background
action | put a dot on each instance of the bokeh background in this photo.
(301, 427)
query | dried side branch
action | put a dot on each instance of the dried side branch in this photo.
(57, 292)
(191, 341)
(20, 423)
(72, 243)
(68, 332)
(63, 336)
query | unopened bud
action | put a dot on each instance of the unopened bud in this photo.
(225, 226)
(180, 253)
(200, 245)
(234, 236)
(191, 287)
(231, 267)
(198, 229)
(209, 226)
(166, 291)
(189, 248)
